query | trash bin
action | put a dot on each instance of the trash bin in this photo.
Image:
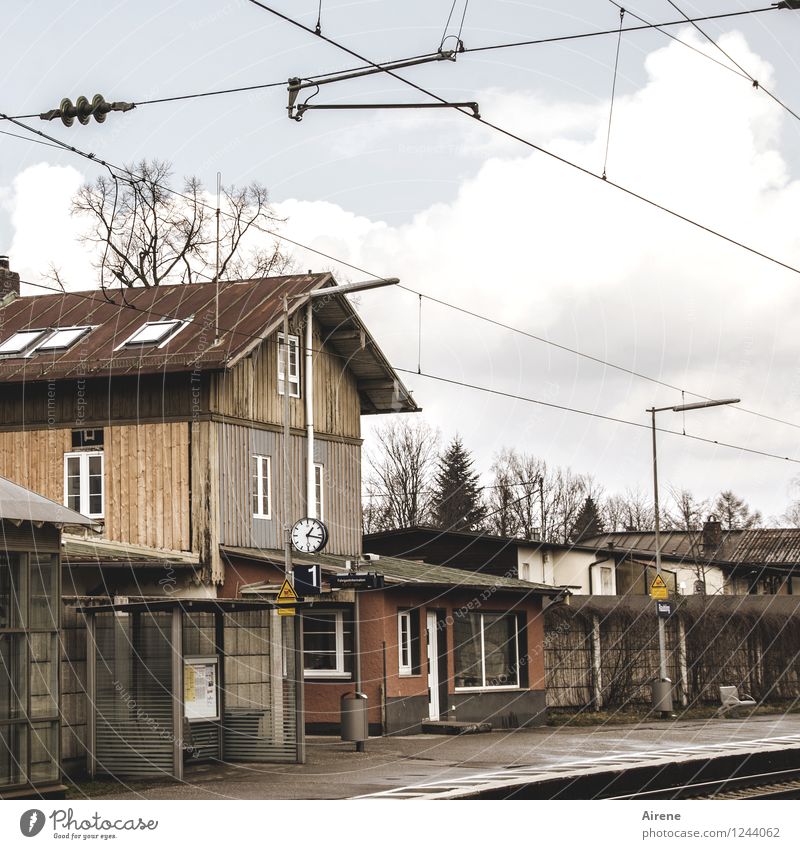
(355, 725)
(661, 691)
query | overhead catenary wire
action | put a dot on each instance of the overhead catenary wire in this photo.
(591, 414)
(659, 28)
(451, 381)
(130, 176)
(489, 47)
(613, 92)
(537, 147)
(753, 80)
(584, 355)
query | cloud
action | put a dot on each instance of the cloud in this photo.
(45, 234)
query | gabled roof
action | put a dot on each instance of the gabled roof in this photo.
(249, 311)
(18, 504)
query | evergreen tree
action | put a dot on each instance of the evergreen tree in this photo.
(734, 512)
(457, 504)
(588, 524)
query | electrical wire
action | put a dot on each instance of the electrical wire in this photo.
(576, 36)
(613, 92)
(591, 357)
(369, 273)
(549, 40)
(681, 41)
(234, 331)
(589, 413)
(549, 153)
(730, 58)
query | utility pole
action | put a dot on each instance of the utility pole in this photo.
(665, 694)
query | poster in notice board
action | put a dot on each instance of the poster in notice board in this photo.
(200, 699)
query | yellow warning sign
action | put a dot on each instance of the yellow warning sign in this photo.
(286, 610)
(287, 595)
(658, 589)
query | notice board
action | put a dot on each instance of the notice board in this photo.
(200, 691)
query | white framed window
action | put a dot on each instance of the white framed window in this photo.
(294, 365)
(83, 483)
(326, 643)
(62, 338)
(404, 642)
(486, 651)
(262, 487)
(155, 333)
(319, 490)
(20, 342)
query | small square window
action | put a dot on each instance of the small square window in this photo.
(20, 342)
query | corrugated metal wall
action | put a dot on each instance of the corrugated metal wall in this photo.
(342, 496)
(133, 699)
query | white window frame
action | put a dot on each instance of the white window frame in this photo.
(486, 687)
(177, 325)
(319, 490)
(262, 461)
(339, 671)
(84, 481)
(294, 377)
(35, 336)
(78, 331)
(404, 643)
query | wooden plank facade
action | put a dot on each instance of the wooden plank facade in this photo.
(177, 449)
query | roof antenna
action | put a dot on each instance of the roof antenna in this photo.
(216, 271)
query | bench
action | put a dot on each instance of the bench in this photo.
(730, 698)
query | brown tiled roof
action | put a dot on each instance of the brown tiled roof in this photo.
(249, 310)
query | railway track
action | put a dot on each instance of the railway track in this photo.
(751, 769)
(776, 784)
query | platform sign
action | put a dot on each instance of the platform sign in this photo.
(664, 609)
(357, 581)
(307, 579)
(658, 589)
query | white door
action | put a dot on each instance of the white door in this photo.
(433, 667)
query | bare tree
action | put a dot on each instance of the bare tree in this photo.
(398, 486)
(513, 498)
(529, 498)
(147, 234)
(631, 511)
(686, 512)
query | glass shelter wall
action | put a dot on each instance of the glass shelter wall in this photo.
(29, 661)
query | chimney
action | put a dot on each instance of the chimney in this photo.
(9, 280)
(712, 534)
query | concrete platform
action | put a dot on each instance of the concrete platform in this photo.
(394, 765)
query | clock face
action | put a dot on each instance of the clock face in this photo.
(309, 536)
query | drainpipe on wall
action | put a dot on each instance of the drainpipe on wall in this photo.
(591, 572)
(311, 488)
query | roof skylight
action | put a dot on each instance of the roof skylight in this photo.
(63, 337)
(153, 332)
(20, 342)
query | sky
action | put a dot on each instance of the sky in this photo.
(464, 214)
